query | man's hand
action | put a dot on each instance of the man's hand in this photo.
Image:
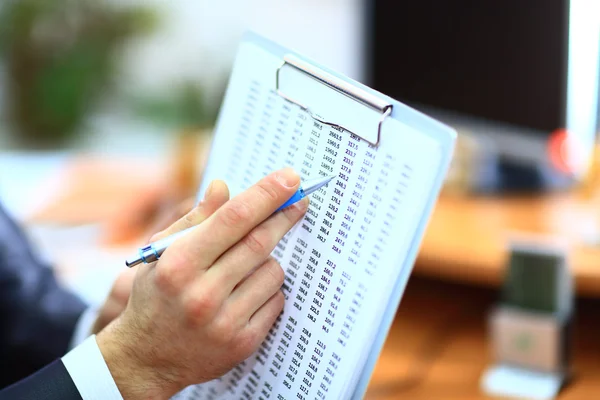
(217, 194)
(210, 300)
(116, 301)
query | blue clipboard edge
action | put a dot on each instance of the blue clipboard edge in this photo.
(443, 134)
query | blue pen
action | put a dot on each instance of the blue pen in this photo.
(153, 251)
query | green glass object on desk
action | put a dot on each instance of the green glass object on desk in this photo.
(532, 282)
(531, 327)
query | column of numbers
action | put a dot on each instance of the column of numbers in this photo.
(279, 137)
(251, 388)
(317, 276)
(296, 138)
(295, 349)
(256, 158)
(245, 127)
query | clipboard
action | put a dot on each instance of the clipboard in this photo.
(346, 105)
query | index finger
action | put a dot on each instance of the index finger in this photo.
(236, 218)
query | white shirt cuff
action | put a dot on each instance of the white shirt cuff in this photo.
(89, 372)
(83, 329)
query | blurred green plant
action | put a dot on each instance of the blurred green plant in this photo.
(186, 107)
(61, 61)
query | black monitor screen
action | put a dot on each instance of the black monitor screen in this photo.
(500, 60)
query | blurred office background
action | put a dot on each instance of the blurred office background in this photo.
(165, 45)
(131, 79)
(107, 108)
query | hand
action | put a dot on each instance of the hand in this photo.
(185, 215)
(210, 300)
(116, 301)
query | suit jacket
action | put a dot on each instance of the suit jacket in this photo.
(52, 382)
(37, 316)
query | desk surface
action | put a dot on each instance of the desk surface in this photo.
(442, 354)
(467, 237)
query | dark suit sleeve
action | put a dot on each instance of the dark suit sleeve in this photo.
(37, 316)
(50, 383)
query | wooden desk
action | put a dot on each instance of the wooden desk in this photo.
(438, 346)
(466, 239)
(467, 236)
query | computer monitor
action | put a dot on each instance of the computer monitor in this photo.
(504, 70)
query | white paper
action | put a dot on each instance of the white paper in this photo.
(343, 259)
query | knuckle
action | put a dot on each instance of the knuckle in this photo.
(279, 300)
(293, 214)
(222, 330)
(170, 278)
(256, 242)
(191, 218)
(268, 191)
(200, 308)
(235, 213)
(247, 343)
(275, 271)
(119, 294)
(163, 279)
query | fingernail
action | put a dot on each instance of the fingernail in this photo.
(208, 191)
(288, 177)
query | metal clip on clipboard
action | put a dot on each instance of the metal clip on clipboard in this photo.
(339, 85)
